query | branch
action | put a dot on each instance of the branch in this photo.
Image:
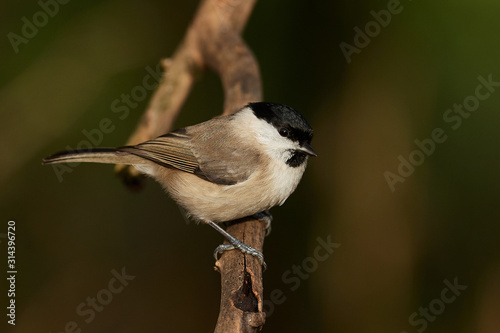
(213, 40)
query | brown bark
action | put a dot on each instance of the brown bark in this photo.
(214, 40)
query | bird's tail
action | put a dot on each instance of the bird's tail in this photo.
(96, 155)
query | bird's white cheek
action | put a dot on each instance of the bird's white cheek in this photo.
(280, 155)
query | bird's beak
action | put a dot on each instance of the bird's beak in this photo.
(306, 148)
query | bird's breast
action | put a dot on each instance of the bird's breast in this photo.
(207, 201)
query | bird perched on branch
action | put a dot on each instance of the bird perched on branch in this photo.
(223, 169)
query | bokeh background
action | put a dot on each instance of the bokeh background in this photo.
(395, 248)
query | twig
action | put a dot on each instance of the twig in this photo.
(213, 40)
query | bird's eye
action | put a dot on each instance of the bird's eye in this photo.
(283, 132)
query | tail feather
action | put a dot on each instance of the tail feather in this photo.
(96, 155)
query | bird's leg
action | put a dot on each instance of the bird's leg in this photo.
(235, 244)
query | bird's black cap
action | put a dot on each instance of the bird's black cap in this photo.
(284, 117)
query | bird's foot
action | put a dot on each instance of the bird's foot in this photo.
(235, 244)
(244, 248)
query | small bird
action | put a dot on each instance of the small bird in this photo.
(222, 169)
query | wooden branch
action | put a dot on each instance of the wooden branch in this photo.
(213, 40)
(241, 279)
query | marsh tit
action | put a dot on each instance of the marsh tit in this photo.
(223, 169)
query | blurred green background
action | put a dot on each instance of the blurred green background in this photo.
(399, 249)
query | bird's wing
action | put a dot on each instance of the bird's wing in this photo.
(203, 151)
(223, 157)
(171, 150)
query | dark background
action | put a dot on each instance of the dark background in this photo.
(397, 248)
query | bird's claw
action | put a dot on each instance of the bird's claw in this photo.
(244, 248)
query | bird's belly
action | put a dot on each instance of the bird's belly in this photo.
(207, 201)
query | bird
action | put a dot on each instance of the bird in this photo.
(223, 169)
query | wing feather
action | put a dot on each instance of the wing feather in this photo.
(223, 156)
(171, 150)
(207, 150)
